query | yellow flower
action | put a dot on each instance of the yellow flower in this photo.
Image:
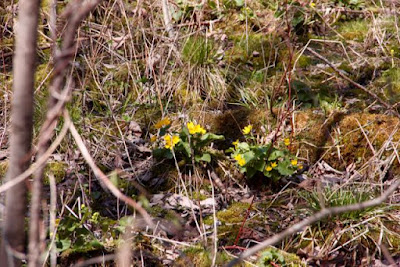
(171, 141)
(153, 138)
(268, 168)
(300, 167)
(286, 141)
(312, 5)
(392, 52)
(195, 128)
(162, 123)
(274, 164)
(240, 160)
(247, 129)
(236, 143)
(294, 162)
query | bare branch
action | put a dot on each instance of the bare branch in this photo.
(78, 11)
(103, 178)
(313, 219)
(13, 237)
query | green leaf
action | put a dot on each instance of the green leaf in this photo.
(259, 165)
(284, 168)
(249, 156)
(211, 137)
(205, 157)
(243, 146)
(162, 153)
(276, 154)
(96, 244)
(63, 244)
(239, 3)
(250, 172)
(186, 147)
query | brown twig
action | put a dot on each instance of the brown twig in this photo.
(103, 178)
(77, 11)
(313, 219)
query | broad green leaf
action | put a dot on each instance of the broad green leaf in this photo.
(243, 146)
(259, 165)
(63, 244)
(248, 156)
(276, 154)
(186, 147)
(205, 157)
(162, 153)
(284, 168)
(211, 137)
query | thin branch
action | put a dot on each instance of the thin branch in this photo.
(39, 162)
(313, 219)
(103, 178)
(78, 11)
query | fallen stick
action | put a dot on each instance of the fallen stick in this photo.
(313, 219)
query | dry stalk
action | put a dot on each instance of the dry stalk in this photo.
(313, 219)
(103, 178)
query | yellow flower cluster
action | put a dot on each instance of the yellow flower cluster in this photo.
(164, 122)
(312, 5)
(171, 141)
(286, 141)
(195, 128)
(270, 167)
(240, 160)
(247, 129)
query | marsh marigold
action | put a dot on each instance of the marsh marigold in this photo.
(247, 129)
(171, 141)
(286, 141)
(163, 122)
(195, 128)
(240, 160)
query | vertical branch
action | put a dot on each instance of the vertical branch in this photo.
(76, 11)
(13, 239)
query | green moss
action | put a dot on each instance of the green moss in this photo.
(390, 81)
(201, 257)
(353, 144)
(304, 61)
(354, 30)
(41, 96)
(232, 215)
(273, 256)
(57, 168)
(254, 49)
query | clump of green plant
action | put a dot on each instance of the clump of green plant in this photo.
(330, 197)
(274, 257)
(273, 161)
(75, 231)
(190, 142)
(198, 50)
